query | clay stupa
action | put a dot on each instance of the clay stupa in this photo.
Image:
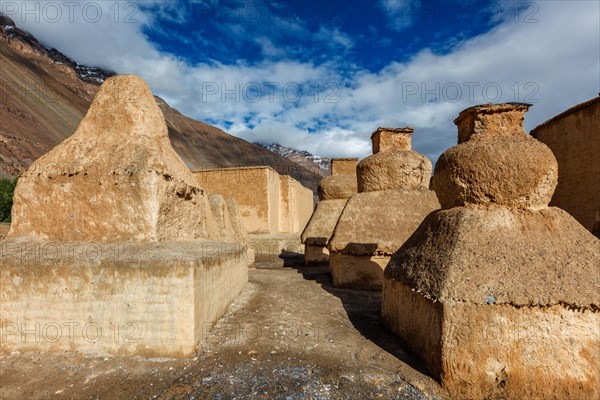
(497, 292)
(334, 191)
(393, 198)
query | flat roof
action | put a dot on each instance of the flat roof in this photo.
(233, 168)
(569, 111)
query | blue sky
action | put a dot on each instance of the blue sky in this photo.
(357, 33)
(321, 75)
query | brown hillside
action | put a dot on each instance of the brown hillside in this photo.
(44, 95)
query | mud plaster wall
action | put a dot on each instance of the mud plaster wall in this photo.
(288, 210)
(275, 202)
(124, 299)
(575, 141)
(269, 203)
(304, 205)
(249, 187)
(485, 351)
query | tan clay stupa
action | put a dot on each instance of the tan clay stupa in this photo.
(497, 292)
(393, 199)
(117, 178)
(334, 191)
(111, 226)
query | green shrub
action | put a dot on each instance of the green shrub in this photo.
(7, 189)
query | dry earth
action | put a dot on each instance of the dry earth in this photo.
(290, 335)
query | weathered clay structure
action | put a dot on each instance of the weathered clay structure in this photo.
(497, 292)
(228, 218)
(229, 224)
(334, 191)
(113, 246)
(393, 199)
(574, 137)
(275, 208)
(4, 228)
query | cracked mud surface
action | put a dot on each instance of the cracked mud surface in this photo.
(289, 335)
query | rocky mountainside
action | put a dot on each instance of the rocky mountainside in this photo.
(44, 95)
(304, 158)
(85, 73)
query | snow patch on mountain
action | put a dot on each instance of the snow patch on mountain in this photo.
(9, 31)
(323, 163)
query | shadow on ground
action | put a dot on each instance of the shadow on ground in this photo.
(363, 308)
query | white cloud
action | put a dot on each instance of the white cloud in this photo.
(400, 14)
(268, 48)
(337, 110)
(334, 37)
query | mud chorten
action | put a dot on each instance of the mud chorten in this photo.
(228, 219)
(229, 224)
(393, 198)
(334, 191)
(119, 172)
(341, 184)
(497, 292)
(110, 229)
(235, 217)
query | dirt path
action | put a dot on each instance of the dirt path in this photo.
(289, 335)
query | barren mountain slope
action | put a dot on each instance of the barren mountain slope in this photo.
(44, 95)
(40, 102)
(203, 146)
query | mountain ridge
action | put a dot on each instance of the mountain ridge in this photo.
(44, 95)
(302, 157)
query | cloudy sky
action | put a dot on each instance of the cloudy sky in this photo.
(321, 75)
